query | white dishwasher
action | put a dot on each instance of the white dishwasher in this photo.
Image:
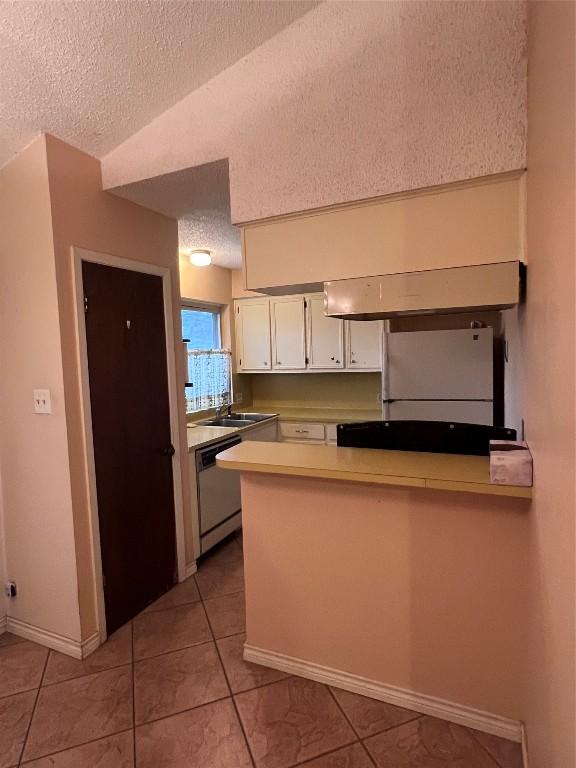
(219, 501)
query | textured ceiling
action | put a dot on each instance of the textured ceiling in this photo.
(94, 72)
(200, 199)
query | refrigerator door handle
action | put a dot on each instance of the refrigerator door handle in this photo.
(385, 371)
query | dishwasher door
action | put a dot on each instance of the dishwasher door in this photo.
(218, 489)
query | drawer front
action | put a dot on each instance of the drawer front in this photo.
(290, 430)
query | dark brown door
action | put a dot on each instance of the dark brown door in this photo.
(128, 376)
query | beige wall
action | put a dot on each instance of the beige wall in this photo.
(317, 390)
(424, 590)
(3, 573)
(85, 216)
(549, 382)
(34, 455)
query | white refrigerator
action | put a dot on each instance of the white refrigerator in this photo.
(439, 376)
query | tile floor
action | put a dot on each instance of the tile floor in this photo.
(171, 690)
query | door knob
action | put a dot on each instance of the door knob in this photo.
(168, 451)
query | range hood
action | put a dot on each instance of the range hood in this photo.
(436, 291)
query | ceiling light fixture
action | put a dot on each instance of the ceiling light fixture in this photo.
(200, 258)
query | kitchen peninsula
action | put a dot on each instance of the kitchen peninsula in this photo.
(388, 573)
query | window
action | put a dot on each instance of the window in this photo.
(209, 366)
(201, 327)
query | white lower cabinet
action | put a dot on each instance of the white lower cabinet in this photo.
(313, 433)
(266, 433)
(301, 432)
(331, 434)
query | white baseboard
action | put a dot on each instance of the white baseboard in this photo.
(89, 646)
(400, 697)
(75, 648)
(3, 624)
(524, 747)
(190, 569)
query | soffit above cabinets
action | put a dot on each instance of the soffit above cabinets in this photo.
(465, 224)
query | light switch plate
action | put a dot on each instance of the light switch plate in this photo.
(42, 401)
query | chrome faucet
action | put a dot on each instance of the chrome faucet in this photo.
(224, 410)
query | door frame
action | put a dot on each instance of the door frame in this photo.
(78, 256)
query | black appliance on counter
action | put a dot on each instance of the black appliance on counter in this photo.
(424, 436)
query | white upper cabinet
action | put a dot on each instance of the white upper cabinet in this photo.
(292, 333)
(363, 344)
(324, 336)
(288, 333)
(253, 335)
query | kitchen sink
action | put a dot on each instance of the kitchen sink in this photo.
(251, 416)
(235, 420)
(222, 421)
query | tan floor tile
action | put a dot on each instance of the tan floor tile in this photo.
(111, 752)
(223, 553)
(369, 716)
(207, 737)
(227, 614)
(15, 714)
(80, 710)
(292, 721)
(170, 630)
(177, 681)
(21, 667)
(507, 753)
(115, 652)
(216, 579)
(242, 675)
(349, 757)
(7, 638)
(182, 594)
(427, 743)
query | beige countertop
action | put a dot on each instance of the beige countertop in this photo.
(440, 471)
(326, 415)
(199, 436)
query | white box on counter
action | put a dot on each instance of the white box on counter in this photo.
(510, 462)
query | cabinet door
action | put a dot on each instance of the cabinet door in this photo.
(253, 335)
(288, 335)
(364, 344)
(324, 336)
(263, 434)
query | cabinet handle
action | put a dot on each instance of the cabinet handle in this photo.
(278, 362)
(265, 362)
(338, 361)
(332, 359)
(302, 431)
